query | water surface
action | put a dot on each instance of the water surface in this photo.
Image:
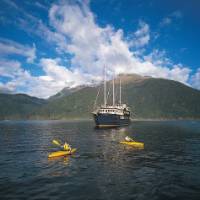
(167, 168)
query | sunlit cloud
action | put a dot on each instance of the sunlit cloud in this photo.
(172, 17)
(195, 79)
(9, 47)
(74, 32)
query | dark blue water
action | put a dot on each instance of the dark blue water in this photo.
(168, 167)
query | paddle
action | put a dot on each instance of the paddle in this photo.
(56, 143)
(65, 146)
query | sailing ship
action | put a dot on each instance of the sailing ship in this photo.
(114, 115)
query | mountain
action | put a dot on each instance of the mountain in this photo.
(18, 106)
(77, 105)
(147, 97)
(65, 92)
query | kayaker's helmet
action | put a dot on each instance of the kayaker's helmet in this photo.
(128, 139)
(66, 146)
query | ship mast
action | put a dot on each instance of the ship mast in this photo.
(120, 91)
(105, 99)
(113, 90)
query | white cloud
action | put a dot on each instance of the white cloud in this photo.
(174, 16)
(94, 46)
(180, 73)
(15, 73)
(166, 21)
(177, 14)
(195, 79)
(141, 36)
(158, 57)
(143, 29)
(11, 4)
(53, 37)
(55, 79)
(11, 69)
(8, 47)
(75, 32)
(40, 5)
(4, 88)
(58, 73)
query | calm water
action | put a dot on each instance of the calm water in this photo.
(168, 167)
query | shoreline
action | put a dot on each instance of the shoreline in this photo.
(90, 119)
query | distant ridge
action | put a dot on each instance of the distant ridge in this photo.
(18, 106)
(148, 98)
(130, 78)
(65, 92)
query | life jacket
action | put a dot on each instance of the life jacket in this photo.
(66, 147)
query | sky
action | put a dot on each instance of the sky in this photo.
(48, 45)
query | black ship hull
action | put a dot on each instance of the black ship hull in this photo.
(111, 120)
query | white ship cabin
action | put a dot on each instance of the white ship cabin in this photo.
(117, 109)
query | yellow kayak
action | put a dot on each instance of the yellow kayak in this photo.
(61, 153)
(134, 144)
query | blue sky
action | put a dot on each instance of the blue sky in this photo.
(48, 45)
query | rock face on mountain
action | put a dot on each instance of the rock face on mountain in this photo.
(147, 97)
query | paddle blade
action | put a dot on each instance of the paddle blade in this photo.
(56, 142)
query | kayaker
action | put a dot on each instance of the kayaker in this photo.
(128, 139)
(67, 147)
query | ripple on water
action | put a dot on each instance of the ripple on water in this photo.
(167, 168)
